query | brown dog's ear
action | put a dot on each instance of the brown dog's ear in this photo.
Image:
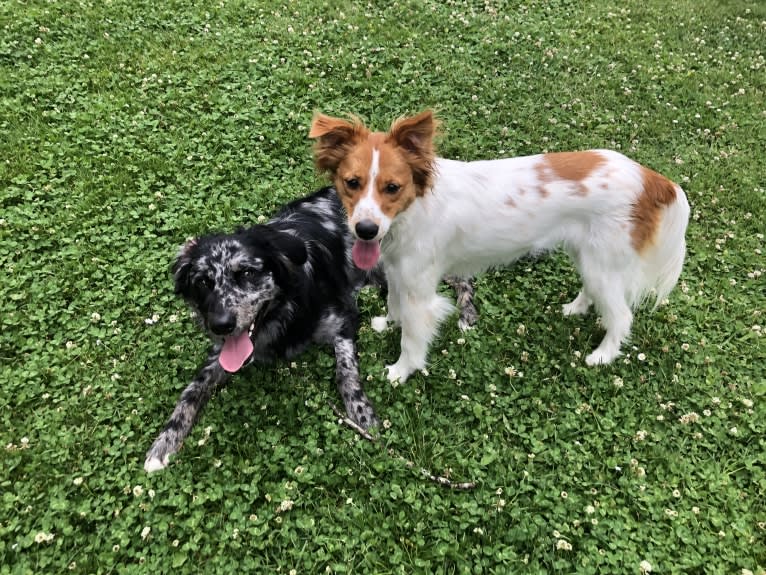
(334, 136)
(415, 135)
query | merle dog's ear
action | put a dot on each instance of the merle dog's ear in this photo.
(182, 266)
(285, 244)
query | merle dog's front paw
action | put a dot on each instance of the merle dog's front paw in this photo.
(158, 457)
(361, 412)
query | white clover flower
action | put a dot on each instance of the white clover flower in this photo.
(145, 532)
(510, 371)
(461, 341)
(286, 505)
(564, 495)
(691, 417)
(645, 567)
(78, 480)
(590, 510)
(95, 316)
(138, 491)
(563, 545)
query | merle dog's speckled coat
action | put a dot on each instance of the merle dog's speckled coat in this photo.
(290, 283)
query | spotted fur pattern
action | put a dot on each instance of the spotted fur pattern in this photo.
(290, 283)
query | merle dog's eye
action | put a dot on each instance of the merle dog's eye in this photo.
(353, 183)
(249, 273)
(392, 188)
(205, 283)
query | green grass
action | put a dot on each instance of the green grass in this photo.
(126, 127)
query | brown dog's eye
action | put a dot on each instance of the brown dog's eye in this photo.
(352, 183)
(392, 188)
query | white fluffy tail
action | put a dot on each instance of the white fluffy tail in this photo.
(663, 262)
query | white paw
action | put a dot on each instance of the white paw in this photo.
(379, 323)
(464, 325)
(153, 464)
(574, 308)
(398, 372)
(599, 357)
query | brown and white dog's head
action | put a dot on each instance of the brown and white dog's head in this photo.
(377, 174)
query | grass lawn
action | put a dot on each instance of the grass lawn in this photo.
(128, 126)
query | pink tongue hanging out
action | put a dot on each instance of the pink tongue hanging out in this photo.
(365, 253)
(236, 350)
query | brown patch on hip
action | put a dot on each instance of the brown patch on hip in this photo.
(658, 192)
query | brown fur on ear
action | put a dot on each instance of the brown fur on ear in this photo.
(415, 135)
(334, 136)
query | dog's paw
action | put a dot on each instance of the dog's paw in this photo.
(398, 372)
(380, 323)
(465, 325)
(600, 357)
(578, 306)
(154, 463)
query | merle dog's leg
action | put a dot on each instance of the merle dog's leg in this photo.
(464, 294)
(192, 400)
(358, 407)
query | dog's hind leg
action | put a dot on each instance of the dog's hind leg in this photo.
(464, 289)
(607, 289)
(358, 406)
(188, 408)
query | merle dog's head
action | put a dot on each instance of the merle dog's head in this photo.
(231, 282)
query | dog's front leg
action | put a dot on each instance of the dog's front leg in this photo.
(358, 406)
(192, 400)
(420, 319)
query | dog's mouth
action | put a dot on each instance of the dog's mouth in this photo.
(236, 350)
(365, 253)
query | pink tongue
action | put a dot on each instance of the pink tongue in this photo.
(365, 254)
(235, 351)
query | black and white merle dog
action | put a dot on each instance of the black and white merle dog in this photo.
(268, 292)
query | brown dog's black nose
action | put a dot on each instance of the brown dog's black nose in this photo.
(366, 229)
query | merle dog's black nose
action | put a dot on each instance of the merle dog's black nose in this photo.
(222, 323)
(366, 229)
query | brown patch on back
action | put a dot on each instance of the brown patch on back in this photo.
(574, 166)
(569, 166)
(658, 192)
(510, 202)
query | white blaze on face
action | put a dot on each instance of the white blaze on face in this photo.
(368, 208)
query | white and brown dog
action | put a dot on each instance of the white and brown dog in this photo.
(622, 224)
